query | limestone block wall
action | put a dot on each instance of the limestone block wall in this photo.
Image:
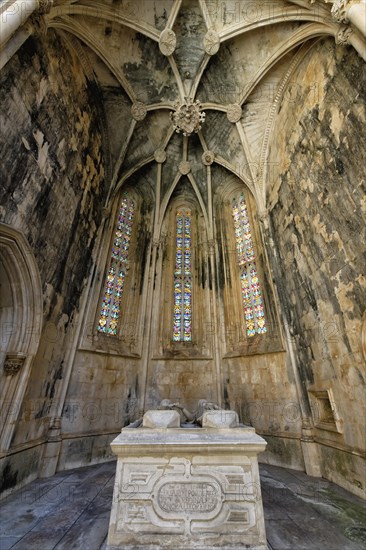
(107, 383)
(317, 211)
(52, 189)
(114, 379)
(262, 389)
(102, 397)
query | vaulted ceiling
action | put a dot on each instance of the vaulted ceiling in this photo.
(235, 57)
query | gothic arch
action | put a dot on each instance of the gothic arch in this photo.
(21, 321)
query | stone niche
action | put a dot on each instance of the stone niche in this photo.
(188, 487)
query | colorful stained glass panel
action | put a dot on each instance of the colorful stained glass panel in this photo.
(113, 290)
(182, 312)
(250, 288)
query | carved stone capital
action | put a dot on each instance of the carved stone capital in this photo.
(211, 246)
(263, 215)
(167, 42)
(234, 112)
(160, 156)
(343, 35)
(13, 363)
(184, 167)
(339, 11)
(106, 211)
(138, 111)
(211, 42)
(208, 157)
(45, 6)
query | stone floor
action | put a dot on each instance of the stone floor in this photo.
(71, 511)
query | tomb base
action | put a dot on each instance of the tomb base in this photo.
(187, 488)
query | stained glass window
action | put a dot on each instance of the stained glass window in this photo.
(250, 289)
(111, 304)
(182, 315)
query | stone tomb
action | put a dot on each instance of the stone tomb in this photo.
(187, 487)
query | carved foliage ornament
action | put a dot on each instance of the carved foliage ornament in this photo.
(339, 11)
(45, 6)
(343, 35)
(188, 117)
(167, 42)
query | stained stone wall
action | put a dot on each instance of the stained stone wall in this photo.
(52, 189)
(301, 384)
(317, 212)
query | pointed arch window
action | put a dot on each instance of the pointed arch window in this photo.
(118, 267)
(182, 316)
(250, 288)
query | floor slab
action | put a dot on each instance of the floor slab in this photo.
(70, 511)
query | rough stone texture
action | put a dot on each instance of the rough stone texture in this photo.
(52, 190)
(53, 122)
(190, 30)
(317, 210)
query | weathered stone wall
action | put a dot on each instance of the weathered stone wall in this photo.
(262, 389)
(52, 189)
(317, 212)
(107, 385)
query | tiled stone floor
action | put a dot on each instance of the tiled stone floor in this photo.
(70, 511)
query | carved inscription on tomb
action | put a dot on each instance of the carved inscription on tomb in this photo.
(188, 497)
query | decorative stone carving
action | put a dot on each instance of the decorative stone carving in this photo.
(138, 111)
(160, 156)
(188, 117)
(167, 42)
(106, 212)
(263, 215)
(45, 6)
(208, 157)
(234, 112)
(188, 497)
(184, 167)
(339, 11)
(211, 246)
(187, 487)
(13, 363)
(343, 35)
(211, 42)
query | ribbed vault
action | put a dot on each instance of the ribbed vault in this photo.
(147, 55)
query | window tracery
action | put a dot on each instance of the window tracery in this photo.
(182, 313)
(111, 303)
(250, 288)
